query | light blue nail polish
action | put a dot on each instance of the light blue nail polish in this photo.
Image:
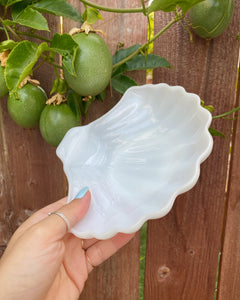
(82, 192)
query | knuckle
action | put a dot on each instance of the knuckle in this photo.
(99, 254)
(39, 232)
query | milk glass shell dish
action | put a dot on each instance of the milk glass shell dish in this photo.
(137, 158)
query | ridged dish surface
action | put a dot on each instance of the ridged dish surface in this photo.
(137, 158)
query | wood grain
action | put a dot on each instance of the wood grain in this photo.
(183, 247)
(31, 175)
(118, 277)
(229, 269)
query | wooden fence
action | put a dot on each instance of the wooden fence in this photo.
(200, 238)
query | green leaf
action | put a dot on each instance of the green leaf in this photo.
(63, 42)
(65, 45)
(122, 82)
(188, 4)
(54, 87)
(59, 86)
(91, 15)
(8, 3)
(153, 61)
(171, 5)
(123, 53)
(68, 63)
(7, 45)
(102, 96)
(119, 70)
(139, 62)
(31, 18)
(19, 7)
(86, 105)
(3, 2)
(215, 132)
(58, 8)
(210, 108)
(73, 100)
(21, 61)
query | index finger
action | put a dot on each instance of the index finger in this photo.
(103, 249)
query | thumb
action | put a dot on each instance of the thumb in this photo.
(54, 226)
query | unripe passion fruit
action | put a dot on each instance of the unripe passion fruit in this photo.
(55, 121)
(25, 106)
(3, 87)
(211, 17)
(93, 65)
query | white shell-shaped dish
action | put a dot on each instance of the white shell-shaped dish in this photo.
(137, 158)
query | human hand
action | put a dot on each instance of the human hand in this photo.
(44, 261)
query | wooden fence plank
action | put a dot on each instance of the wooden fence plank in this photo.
(229, 274)
(183, 247)
(118, 277)
(31, 174)
(229, 271)
(28, 163)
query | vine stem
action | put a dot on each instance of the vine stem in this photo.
(17, 33)
(6, 32)
(33, 35)
(226, 113)
(11, 30)
(144, 7)
(55, 65)
(38, 66)
(173, 21)
(112, 9)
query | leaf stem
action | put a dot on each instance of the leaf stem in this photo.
(173, 21)
(10, 30)
(226, 113)
(112, 9)
(47, 59)
(56, 72)
(6, 32)
(144, 7)
(39, 65)
(5, 11)
(55, 65)
(33, 35)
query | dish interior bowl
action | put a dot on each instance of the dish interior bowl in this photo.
(137, 158)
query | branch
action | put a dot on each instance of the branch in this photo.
(173, 21)
(226, 113)
(10, 30)
(33, 35)
(113, 9)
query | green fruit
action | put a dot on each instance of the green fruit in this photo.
(3, 87)
(55, 121)
(93, 65)
(25, 105)
(211, 17)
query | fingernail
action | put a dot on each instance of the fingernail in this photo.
(82, 192)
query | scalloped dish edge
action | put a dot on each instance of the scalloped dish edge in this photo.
(189, 185)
